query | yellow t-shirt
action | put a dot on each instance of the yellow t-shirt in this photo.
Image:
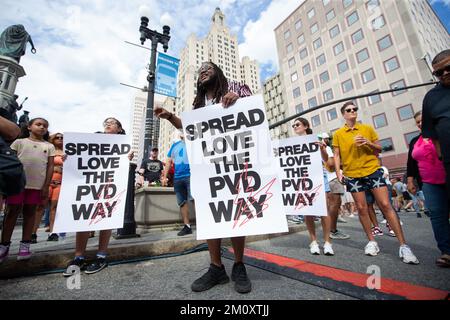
(357, 162)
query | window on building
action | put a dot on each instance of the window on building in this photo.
(298, 24)
(311, 13)
(379, 121)
(324, 77)
(299, 108)
(347, 86)
(321, 59)
(294, 77)
(374, 99)
(287, 34)
(332, 114)
(314, 28)
(384, 43)
(372, 5)
(289, 47)
(303, 53)
(338, 48)
(328, 95)
(312, 102)
(357, 36)
(309, 85)
(352, 18)
(301, 39)
(342, 66)
(334, 31)
(346, 3)
(317, 43)
(306, 69)
(386, 144)
(391, 64)
(405, 112)
(368, 75)
(315, 120)
(325, 2)
(330, 15)
(410, 136)
(296, 92)
(362, 55)
(291, 62)
(378, 23)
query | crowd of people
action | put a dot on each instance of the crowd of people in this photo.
(355, 181)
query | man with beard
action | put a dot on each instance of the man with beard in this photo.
(436, 111)
(213, 88)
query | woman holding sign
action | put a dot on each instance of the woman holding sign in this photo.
(212, 88)
(111, 126)
(301, 128)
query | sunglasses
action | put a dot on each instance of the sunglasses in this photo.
(440, 72)
(295, 125)
(59, 137)
(351, 110)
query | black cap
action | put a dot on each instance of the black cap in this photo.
(155, 149)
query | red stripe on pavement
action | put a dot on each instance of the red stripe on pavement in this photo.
(388, 286)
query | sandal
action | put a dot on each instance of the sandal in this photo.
(443, 261)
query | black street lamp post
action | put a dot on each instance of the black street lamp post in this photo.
(155, 38)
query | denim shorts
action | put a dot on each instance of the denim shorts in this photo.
(375, 180)
(182, 189)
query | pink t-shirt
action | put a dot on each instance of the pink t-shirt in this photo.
(34, 157)
(431, 169)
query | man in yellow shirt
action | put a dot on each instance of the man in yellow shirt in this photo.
(356, 147)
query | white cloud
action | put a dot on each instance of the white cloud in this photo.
(259, 37)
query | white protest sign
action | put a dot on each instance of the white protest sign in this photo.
(94, 184)
(301, 173)
(233, 170)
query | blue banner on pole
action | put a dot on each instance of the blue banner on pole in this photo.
(166, 75)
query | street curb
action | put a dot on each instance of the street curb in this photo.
(50, 261)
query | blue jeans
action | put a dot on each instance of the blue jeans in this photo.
(437, 203)
(182, 188)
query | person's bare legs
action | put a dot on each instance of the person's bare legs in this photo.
(53, 205)
(238, 244)
(103, 241)
(9, 221)
(311, 227)
(326, 221)
(38, 217)
(334, 203)
(363, 213)
(185, 213)
(382, 197)
(372, 215)
(81, 240)
(29, 213)
(214, 251)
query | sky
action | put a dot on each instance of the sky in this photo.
(74, 79)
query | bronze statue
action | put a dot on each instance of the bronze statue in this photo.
(13, 42)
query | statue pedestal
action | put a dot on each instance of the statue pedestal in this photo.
(10, 72)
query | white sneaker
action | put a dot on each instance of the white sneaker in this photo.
(407, 255)
(371, 249)
(340, 219)
(328, 249)
(314, 248)
(384, 221)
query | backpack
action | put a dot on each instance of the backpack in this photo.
(12, 175)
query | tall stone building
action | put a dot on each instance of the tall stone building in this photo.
(330, 50)
(276, 106)
(219, 46)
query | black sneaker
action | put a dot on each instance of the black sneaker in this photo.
(239, 275)
(34, 238)
(96, 266)
(70, 270)
(53, 237)
(186, 230)
(213, 276)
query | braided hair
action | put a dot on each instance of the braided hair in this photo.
(220, 86)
